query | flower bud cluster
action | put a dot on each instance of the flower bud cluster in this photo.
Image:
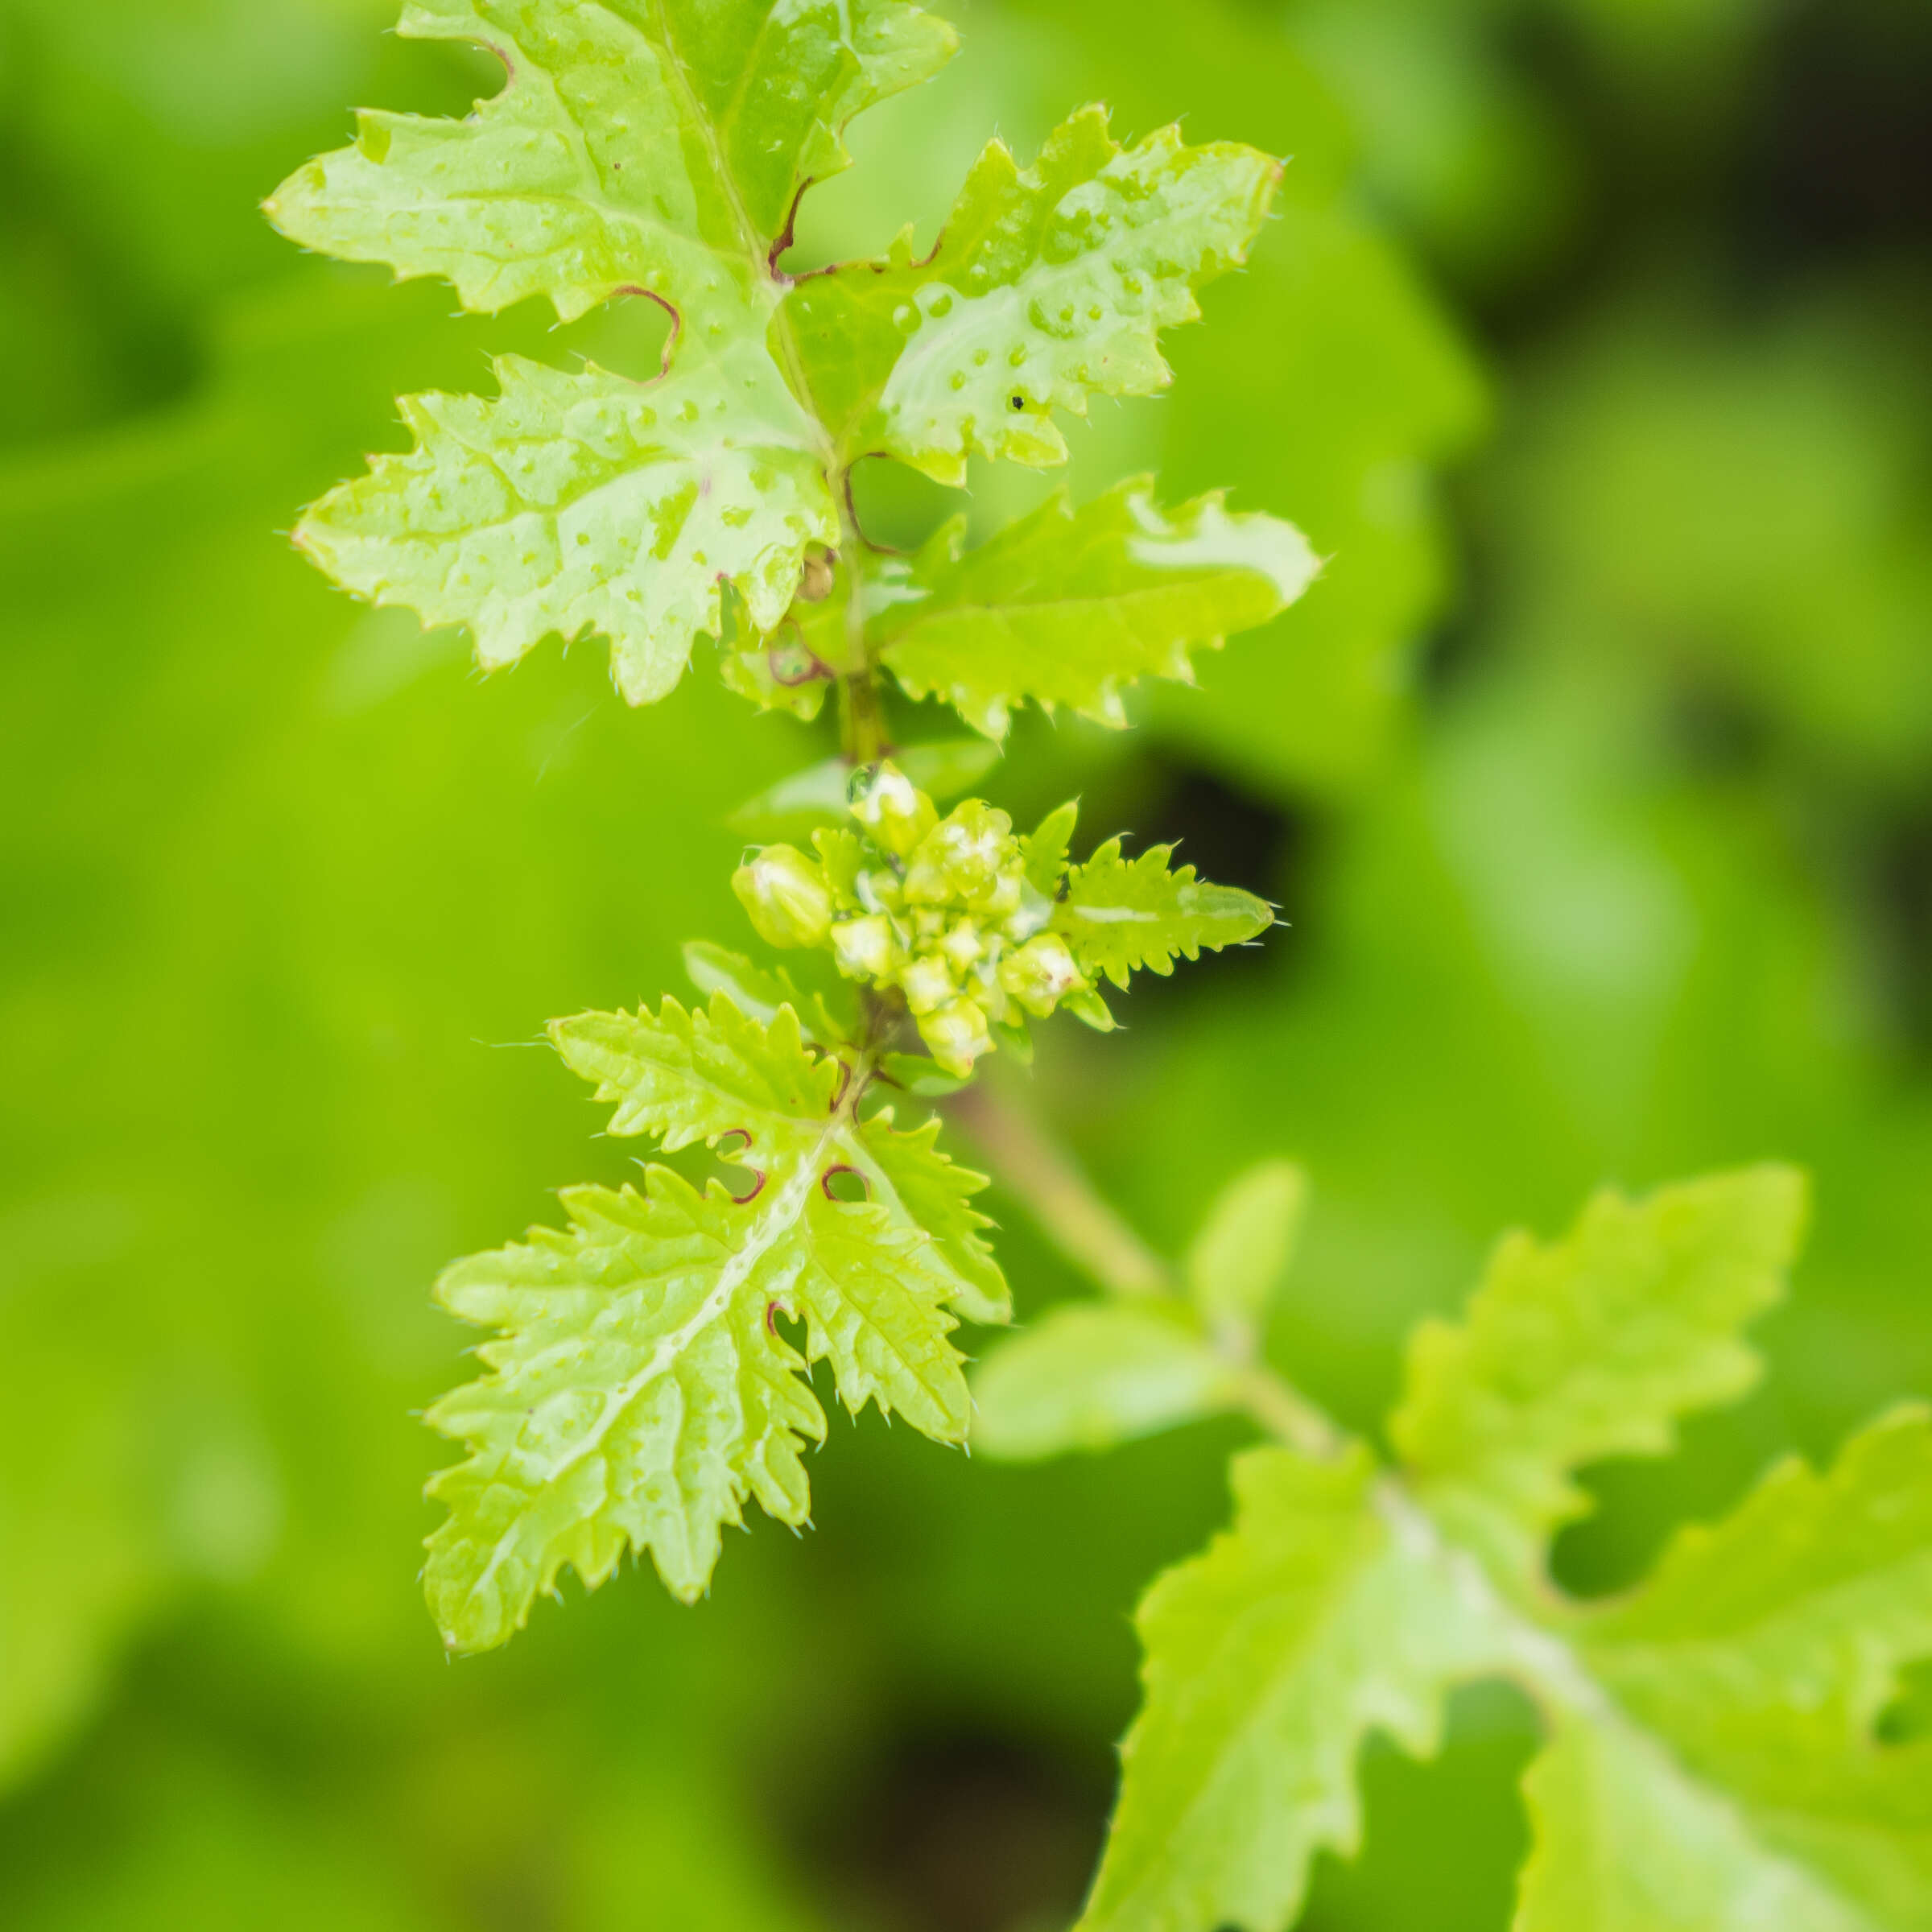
(940, 909)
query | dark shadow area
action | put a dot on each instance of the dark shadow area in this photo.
(962, 1830)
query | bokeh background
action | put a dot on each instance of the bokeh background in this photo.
(1595, 777)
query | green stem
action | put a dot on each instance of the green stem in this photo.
(1288, 1415)
(1072, 1215)
(1082, 1225)
(862, 739)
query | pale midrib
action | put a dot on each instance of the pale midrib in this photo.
(1549, 1669)
(786, 1209)
(1012, 611)
(756, 247)
(1555, 1675)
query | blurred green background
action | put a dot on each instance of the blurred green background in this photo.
(1595, 776)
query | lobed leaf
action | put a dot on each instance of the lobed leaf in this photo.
(1048, 286)
(759, 991)
(645, 148)
(1625, 1841)
(588, 502)
(653, 146)
(642, 1390)
(1121, 914)
(1268, 1660)
(1066, 606)
(936, 1193)
(1764, 1649)
(639, 1395)
(1714, 1762)
(1589, 1347)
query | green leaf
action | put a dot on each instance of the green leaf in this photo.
(1626, 1842)
(657, 152)
(1812, 1577)
(919, 1075)
(1121, 914)
(1092, 1375)
(1762, 1653)
(656, 147)
(588, 502)
(759, 990)
(1047, 286)
(1269, 1659)
(936, 1194)
(1590, 1348)
(1246, 1244)
(1714, 1754)
(1066, 606)
(1043, 850)
(642, 1390)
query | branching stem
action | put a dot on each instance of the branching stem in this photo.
(1085, 1228)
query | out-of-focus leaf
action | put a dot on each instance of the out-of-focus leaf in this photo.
(1736, 1780)
(1269, 1659)
(1702, 511)
(1244, 1245)
(759, 990)
(1090, 1375)
(1329, 331)
(1590, 1349)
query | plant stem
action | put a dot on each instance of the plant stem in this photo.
(1072, 1215)
(862, 719)
(1081, 1224)
(1288, 1415)
(862, 739)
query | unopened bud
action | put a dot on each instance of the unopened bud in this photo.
(864, 948)
(962, 945)
(962, 860)
(956, 1036)
(891, 808)
(786, 896)
(1041, 974)
(927, 984)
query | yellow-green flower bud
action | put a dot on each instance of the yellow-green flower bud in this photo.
(962, 945)
(1001, 897)
(927, 984)
(1041, 974)
(962, 859)
(786, 896)
(878, 889)
(893, 811)
(956, 1035)
(864, 948)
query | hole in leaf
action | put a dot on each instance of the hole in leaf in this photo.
(844, 1184)
(630, 335)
